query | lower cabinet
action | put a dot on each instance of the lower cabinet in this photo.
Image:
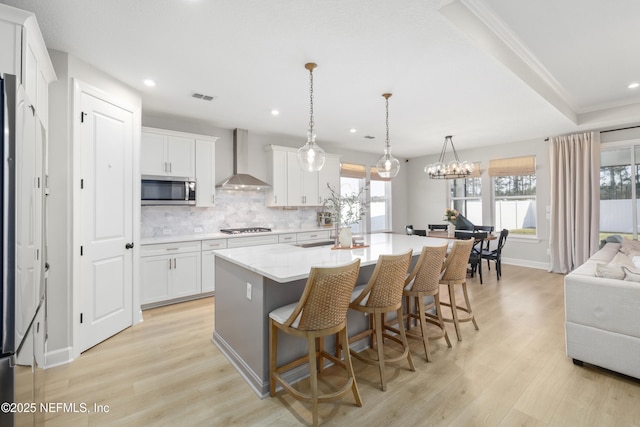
(170, 271)
(209, 263)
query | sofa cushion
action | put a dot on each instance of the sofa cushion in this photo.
(629, 246)
(610, 271)
(607, 252)
(622, 260)
(631, 276)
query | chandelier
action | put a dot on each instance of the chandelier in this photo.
(454, 169)
(310, 155)
(388, 166)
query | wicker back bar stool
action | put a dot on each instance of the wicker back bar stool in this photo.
(321, 311)
(423, 282)
(382, 295)
(455, 274)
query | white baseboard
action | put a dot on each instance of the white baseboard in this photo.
(526, 263)
(58, 357)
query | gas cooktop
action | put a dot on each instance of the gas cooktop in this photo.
(245, 230)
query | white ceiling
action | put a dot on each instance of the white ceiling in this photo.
(485, 71)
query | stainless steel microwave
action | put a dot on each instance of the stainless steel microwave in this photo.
(160, 190)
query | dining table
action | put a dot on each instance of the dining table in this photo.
(443, 234)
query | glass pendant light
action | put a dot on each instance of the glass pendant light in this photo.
(310, 155)
(388, 166)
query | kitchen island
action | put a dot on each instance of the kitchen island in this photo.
(253, 281)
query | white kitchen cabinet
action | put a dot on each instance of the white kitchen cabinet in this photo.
(170, 271)
(302, 186)
(310, 236)
(209, 264)
(329, 174)
(205, 173)
(291, 186)
(167, 153)
(254, 240)
(277, 176)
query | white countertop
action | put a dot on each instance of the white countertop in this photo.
(207, 236)
(287, 262)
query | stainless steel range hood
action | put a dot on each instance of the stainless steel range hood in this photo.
(241, 180)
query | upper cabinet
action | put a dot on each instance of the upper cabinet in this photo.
(24, 55)
(170, 153)
(291, 186)
(167, 154)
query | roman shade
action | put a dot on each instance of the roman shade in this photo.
(352, 170)
(375, 176)
(513, 166)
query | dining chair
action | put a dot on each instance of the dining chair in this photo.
(321, 311)
(475, 256)
(496, 254)
(488, 228)
(455, 274)
(424, 282)
(382, 295)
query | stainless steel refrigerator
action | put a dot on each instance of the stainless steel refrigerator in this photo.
(22, 297)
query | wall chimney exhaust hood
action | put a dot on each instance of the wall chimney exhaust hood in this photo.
(240, 180)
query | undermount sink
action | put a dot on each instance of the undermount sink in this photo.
(314, 244)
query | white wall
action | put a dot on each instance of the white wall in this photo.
(60, 203)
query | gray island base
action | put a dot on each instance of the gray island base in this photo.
(253, 281)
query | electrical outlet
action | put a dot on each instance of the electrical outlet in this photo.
(197, 230)
(249, 291)
(166, 231)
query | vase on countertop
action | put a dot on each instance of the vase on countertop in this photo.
(345, 237)
(451, 230)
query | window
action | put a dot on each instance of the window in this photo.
(380, 202)
(466, 197)
(619, 191)
(514, 191)
(353, 180)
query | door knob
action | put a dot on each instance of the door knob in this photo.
(128, 245)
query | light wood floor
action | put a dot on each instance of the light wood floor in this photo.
(514, 371)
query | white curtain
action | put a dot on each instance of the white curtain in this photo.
(575, 200)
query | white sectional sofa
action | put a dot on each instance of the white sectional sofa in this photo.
(602, 309)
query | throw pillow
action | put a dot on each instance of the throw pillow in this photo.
(622, 260)
(630, 275)
(629, 245)
(609, 271)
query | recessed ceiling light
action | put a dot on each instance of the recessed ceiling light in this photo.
(353, 130)
(634, 85)
(275, 112)
(149, 82)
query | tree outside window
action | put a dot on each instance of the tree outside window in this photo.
(515, 203)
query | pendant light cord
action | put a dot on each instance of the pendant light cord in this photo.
(311, 123)
(386, 103)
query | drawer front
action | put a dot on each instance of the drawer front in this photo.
(287, 238)
(240, 242)
(214, 244)
(170, 248)
(314, 235)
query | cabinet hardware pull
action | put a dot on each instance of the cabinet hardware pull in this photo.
(169, 263)
(174, 264)
(172, 249)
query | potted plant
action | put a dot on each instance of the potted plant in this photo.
(346, 211)
(451, 215)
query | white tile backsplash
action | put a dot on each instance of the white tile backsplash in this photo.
(233, 209)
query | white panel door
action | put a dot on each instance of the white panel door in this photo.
(28, 166)
(106, 215)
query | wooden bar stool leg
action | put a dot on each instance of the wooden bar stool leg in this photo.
(466, 299)
(405, 342)
(380, 347)
(349, 367)
(454, 311)
(423, 328)
(436, 298)
(273, 351)
(313, 377)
